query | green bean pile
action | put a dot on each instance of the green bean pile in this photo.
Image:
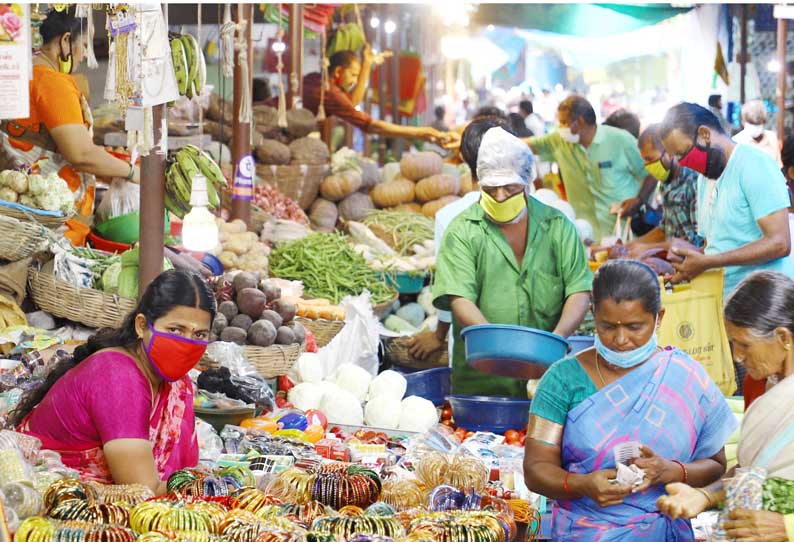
(405, 228)
(102, 261)
(329, 268)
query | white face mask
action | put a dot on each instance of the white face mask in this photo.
(755, 130)
(567, 135)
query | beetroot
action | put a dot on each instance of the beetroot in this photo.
(251, 302)
(662, 267)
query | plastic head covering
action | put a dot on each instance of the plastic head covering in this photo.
(504, 159)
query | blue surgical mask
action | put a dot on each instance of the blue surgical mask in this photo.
(627, 360)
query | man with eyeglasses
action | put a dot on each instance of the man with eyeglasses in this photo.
(742, 199)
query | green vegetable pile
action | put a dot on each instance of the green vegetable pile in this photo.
(100, 263)
(328, 267)
(404, 229)
(778, 495)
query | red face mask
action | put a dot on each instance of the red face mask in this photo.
(696, 159)
(172, 356)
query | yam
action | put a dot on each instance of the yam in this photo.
(218, 107)
(356, 206)
(300, 122)
(234, 335)
(262, 333)
(243, 321)
(285, 309)
(430, 208)
(245, 280)
(219, 132)
(251, 301)
(229, 310)
(271, 152)
(285, 336)
(437, 186)
(308, 150)
(266, 121)
(273, 317)
(323, 215)
(419, 165)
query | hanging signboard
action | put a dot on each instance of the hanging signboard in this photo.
(16, 61)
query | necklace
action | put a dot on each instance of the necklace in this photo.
(598, 369)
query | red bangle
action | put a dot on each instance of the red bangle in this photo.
(683, 468)
(565, 483)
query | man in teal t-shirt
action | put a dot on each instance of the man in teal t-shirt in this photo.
(743, 213)
(600, 165)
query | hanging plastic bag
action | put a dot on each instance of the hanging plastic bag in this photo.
(122, 198)
(358, 341)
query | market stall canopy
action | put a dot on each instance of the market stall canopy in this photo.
(577, 19)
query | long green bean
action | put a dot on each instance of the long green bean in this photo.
(405, 228)
(329, 268)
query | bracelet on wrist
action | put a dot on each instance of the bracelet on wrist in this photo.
(707, 495)
(131, 174)
(683, 469)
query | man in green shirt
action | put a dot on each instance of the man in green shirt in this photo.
(509, 260)
(600, 165)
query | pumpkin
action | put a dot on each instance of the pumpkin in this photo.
(466, 183)
(355, 207)
(340, 185)
(393, 193)
(411, 207)
(323, 215)
(436, 187)
(420, 165)
(370, 175)
(430, 208)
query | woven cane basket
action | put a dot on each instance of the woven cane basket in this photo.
(20, 238)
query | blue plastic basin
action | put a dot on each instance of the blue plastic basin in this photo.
(483, 413)
(580, 342)
(512, 351)
(405, 283)
(431, 384)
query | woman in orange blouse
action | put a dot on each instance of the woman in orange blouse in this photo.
(57, 137)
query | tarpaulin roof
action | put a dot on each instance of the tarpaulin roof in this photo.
(587, 20)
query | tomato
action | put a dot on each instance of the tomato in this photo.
(460, 433)
(511, 436)
(285, 383)
(446, 414)
(316, 417)
(314, 433)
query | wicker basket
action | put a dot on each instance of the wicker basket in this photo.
(274, 360)
(51, 222)
(20, 238)
(324, 331)
(83, 305)
(258, 216)
(299, 182)
(382, 310)
(396, 353)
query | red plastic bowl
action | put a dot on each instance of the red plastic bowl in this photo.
(108, 246)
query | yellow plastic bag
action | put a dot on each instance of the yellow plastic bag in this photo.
(693, 323)
(10, 314)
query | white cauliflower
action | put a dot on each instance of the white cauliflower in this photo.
(8, 194)
(418, 414)
(27, 200)
(383, 411)
(15, 180)
(353, 379)
(388, 384)
(306, 396)
(343, 408)
(309, 368)
(49, 201)
(37, 185)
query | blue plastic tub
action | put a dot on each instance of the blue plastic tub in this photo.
(495, 414)
(580, 342)
(432, 384)
(405, 283)
(512, 351)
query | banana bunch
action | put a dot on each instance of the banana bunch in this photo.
(348, 37)
(189, 65)
(187, 162)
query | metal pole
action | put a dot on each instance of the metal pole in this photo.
(381, 85)
(395, 76)
(743, 63)
(295, 93)
(152, 201)
(782, 27)
(241, 131)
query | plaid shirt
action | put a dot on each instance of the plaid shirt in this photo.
(680, 207)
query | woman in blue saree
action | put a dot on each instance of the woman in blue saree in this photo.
(624, 389)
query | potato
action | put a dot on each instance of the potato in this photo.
(243, 321)
(251, 302)
(245, 280)
(220, 323)
(299, 331)
(273, 317)
(229, 310)
(234, 335)
(262, 333)
(285, 335)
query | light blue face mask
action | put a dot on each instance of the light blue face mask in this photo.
(629, 359)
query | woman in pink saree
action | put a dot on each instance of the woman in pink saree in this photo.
(121, 409)
(626, 392)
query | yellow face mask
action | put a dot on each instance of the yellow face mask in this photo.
(657, 170)
(504, 211)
